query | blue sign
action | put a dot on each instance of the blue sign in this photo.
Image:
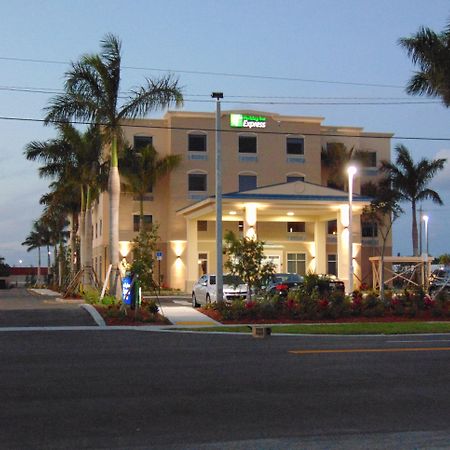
(159, 255)
(126, 290)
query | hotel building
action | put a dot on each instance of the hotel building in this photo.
(274, 187)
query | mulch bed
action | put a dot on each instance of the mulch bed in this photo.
(130, 320)
(424, 317)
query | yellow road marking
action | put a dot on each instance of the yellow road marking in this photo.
(194, 323)
(371, 350)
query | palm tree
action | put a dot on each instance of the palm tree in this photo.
(431, 52)
(92, 90)
(335, 158)
(75, 160)
(141, 169)
(411, 181)
(34, 241)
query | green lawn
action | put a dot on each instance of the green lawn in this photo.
(344, 328)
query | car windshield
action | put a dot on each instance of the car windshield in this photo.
(233, 280)
(286, 278)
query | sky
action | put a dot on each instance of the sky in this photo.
(295, 57)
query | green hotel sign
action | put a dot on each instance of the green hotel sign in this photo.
(246, 121)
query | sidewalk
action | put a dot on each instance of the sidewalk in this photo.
(188, 316)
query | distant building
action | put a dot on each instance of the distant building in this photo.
(274, 187)
(21, 276)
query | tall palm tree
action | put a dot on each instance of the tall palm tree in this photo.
(141, 169)
(75, 160)
(430, 51)
(92, 90)
(411, 181)
(34, 241)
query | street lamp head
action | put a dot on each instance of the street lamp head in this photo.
(425, 218)
(351, 170)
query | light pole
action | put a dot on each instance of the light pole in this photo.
(425, 220)
(351, 171)
(219, 268)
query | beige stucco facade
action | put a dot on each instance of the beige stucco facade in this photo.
(188, 246)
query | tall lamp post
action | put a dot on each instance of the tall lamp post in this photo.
(425, 220)
(219, 258)
(351, 171)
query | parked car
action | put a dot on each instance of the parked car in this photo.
(204, 290)
(439, 279)
(281, 283)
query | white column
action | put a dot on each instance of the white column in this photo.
(250, 218)
(192, 254)
(320, 246)
(343, 245)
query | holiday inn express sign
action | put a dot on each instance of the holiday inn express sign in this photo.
(245, 121)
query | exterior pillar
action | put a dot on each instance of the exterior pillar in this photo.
(320, 246)
(192, 254)
(342, 245)
(250, 218)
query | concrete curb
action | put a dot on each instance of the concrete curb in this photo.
(94, 314)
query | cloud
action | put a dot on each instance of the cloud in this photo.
(441, 182)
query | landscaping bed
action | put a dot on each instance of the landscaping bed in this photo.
(113, 315)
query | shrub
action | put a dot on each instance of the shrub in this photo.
(150, 306)
(91, 296)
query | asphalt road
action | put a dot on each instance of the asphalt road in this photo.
(20, 308)
(136, 389)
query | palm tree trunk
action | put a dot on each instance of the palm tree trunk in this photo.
(60, 263)
(414, 229)
(39, 266)
(73, 244)
(48, 264)
(141, 213)
(88, 240)
(82, 230)
(114, 200)
(56, 262)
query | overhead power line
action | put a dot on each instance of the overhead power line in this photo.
(162, 127)
(307, 100)
(221, 74)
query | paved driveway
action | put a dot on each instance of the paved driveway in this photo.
(20, 308)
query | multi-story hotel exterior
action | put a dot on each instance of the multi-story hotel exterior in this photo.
(274, 187)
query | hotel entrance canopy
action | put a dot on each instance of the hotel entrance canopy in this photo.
(296, 201)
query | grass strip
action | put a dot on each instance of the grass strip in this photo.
(342, 328)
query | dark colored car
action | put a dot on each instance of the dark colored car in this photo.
(281, 283)
(330, 283)
(439, 280)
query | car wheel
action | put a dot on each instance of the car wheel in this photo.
(194, 301)
(208, 299)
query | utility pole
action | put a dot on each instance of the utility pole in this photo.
(219, 256)
(420, 230)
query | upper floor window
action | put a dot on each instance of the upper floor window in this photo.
(202, 225)
(369, 229)
(197, 182)
(247, 182)
(369, 159)
(332, 227)
(247, 144)
(142, 141)
(295, 146)
(148, 219)
(296, 227)
(197, 142)
(291, 178)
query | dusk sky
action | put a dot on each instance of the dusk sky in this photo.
(336, 59)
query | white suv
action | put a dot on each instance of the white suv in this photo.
(204, 290)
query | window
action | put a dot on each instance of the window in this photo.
(247, 182)
(100, 228)
(96, 230)
(296, 227)
(332, 264)
(247, 144)
(296, 263)
(203, 263)
(369, 229)
(197, 142)
(147, 222)
(241, 225)
(142, 141)
(197, 182)
(295, 146)
(332, 227)
(202, 225)
(369, 159)
(291, 178)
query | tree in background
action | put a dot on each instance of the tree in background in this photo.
(246, 259)
(411, 181)
(4, 268)
(430, 51)
(92, 93)
(384, 210)
(141, 169)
